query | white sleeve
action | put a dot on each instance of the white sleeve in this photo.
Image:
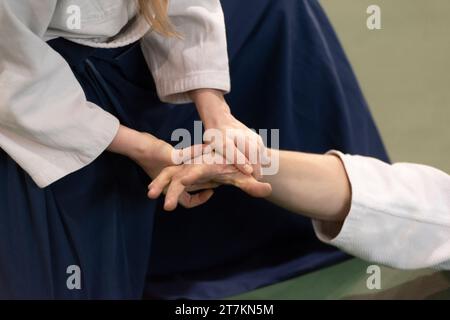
(198, 60)
(46, 124)
(399, 216)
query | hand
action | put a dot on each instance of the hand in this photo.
(206, 171)
(236, 142)
(153, 155)
(159, 155)
(146, 150)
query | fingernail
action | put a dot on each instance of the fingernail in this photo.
(248, 168)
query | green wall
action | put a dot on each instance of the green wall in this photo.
(404, 71)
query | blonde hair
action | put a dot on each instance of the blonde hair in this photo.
(155, 12)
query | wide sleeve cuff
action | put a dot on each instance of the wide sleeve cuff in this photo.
(104, 132)
(46, 124)
(176, 90)
(398, 217)
(340, 234)
(47, 163)
(197, 60)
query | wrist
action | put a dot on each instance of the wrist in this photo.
(140, 146)
(148, 149)
(211, 106)
(127, 142)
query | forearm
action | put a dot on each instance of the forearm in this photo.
(314, 185)
(211, 106)
(151, 153)
(128, 142)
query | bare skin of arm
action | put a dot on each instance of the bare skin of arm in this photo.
(311, 184)
(153, 155)
(215, 114)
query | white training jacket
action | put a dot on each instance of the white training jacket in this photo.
(399, 216)
(46, 124)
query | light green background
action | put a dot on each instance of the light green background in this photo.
(404, 71)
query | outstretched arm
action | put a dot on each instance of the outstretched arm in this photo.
(311, 184)
(398, 215)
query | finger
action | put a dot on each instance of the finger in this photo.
(234, 156)
(175, 190)
(253, 154)
(193, 200)
(202, 186)
(249, 143)
(192, 175)
(161, 182)
(207, 173)
(254, 188)
(253, 151)
(261, 158)
(249, 146)
(257, 173)
(257, 148)
(266, 158)
(197, 175)
(247, 184)
(184, 155)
